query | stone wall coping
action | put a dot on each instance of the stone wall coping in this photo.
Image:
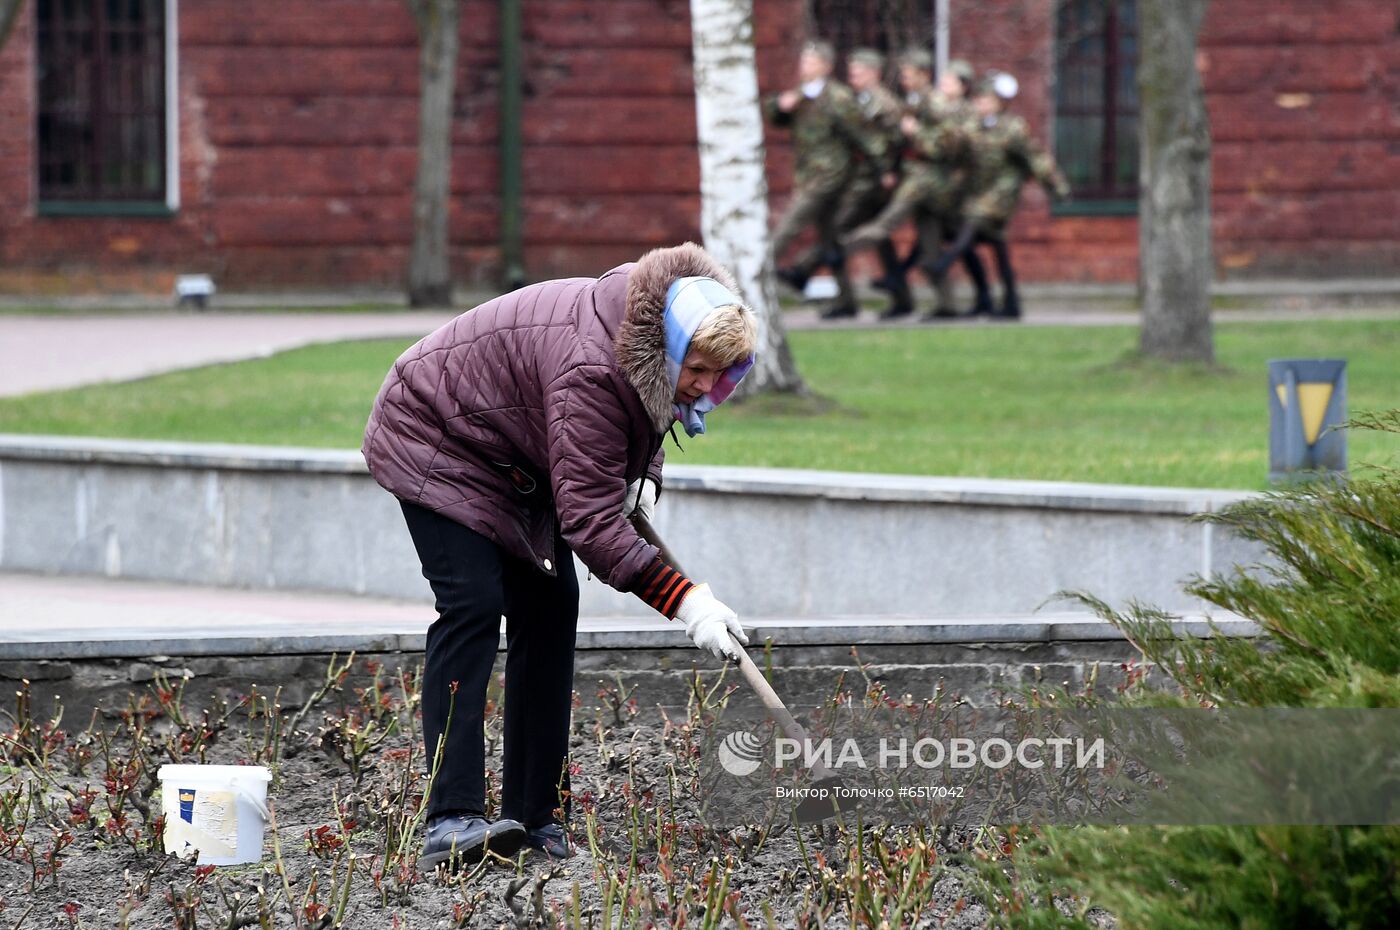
(616, 634)
(782, 482)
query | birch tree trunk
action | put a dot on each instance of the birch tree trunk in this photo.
(1175, 265)
(429, 274)
(733, 188)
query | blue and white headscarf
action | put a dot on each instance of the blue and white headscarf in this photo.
(688, 302)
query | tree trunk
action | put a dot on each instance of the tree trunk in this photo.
(429, 273)
(733, 188)
(1175, 264)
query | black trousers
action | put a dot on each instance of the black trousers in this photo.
(475, 583)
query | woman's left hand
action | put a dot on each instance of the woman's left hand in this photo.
(640, 499)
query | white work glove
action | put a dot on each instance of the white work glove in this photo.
(641, 498)
(709, 623)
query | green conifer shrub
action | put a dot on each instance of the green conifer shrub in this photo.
(1328, 605)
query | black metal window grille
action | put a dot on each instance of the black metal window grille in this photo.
(1096, 97)
(101, 100)
(888, 25)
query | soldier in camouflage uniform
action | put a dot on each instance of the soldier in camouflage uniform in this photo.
(875, 177)
(1005, 157)
(955, 83)
(825, 120)
(948, 100)
(954, 86)
(935, 168)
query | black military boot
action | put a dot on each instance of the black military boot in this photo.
(901, 305)
(1010, 300)
(839, 312)
(901, 301)
(794, 277)
(1010, 308)
(892, 269)
(834, 258)
(982, 305)
(941, 315)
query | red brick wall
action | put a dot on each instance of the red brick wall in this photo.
(610, 167)
(299, 119)
(258, 79)
(1305, 113)
(298, 133)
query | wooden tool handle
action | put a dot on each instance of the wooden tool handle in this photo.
(747, 668)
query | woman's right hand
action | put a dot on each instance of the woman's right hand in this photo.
(710, 624)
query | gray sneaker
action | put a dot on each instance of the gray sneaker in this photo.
(465, 839)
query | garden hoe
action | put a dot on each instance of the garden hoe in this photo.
(810, 809)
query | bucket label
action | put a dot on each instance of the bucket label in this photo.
(213, 815)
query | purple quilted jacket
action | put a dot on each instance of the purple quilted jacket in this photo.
(528, 415)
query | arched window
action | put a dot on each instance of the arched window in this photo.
(102, 105)
(1096, 99)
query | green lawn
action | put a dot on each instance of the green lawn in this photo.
(1013, 402)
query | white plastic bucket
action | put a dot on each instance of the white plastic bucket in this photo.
(220, 810)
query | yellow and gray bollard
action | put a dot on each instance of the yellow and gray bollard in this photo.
(1307, 401)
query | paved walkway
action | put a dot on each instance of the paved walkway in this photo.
(89, 340)
(44, 353)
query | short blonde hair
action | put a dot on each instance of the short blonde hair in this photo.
(728, 335)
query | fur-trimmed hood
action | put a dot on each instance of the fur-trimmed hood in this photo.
(641, 340)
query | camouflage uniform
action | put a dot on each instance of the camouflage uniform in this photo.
(934, 173)
(827, 139)
(866, 195)
(881, 141)
(1005, 156)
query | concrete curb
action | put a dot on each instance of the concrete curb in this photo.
(620, 635)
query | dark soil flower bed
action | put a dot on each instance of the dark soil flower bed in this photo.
(81, 825)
